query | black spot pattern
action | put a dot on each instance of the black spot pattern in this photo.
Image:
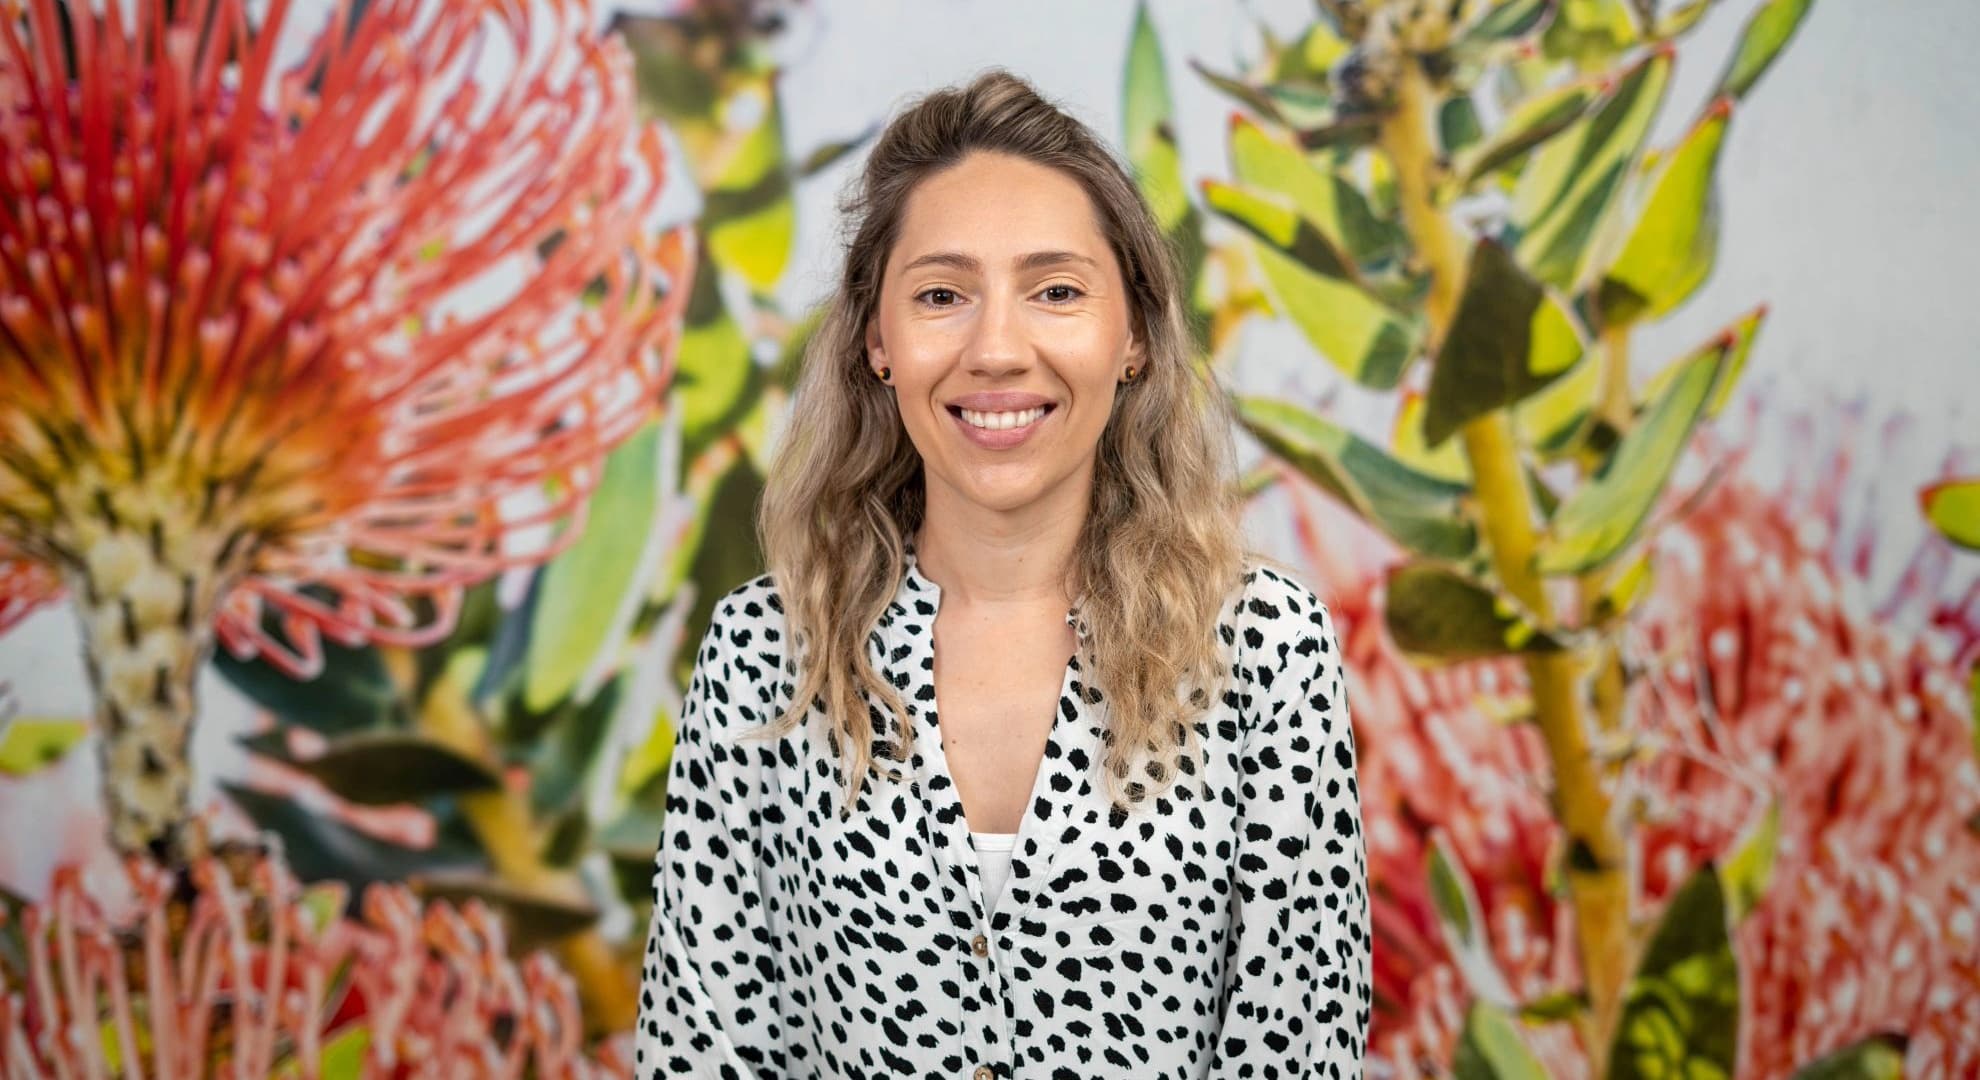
(1209, 938)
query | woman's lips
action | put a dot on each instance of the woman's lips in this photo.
(1000, 438)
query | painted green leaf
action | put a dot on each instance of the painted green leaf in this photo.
(1674, 241)
(1491, 1048)
(586, 584)
(1879, 1057)
(1622, 592)
(1559, 1005)
(353, 692)
(715, 377)
(1418, 511)
(1766, 34)
(1434, 611)
(1508, 19)
(1554, 418)
(1447, 462)
(1680, 1013)
(1572, 183)
(1462, 924)
(1953, 508)
(1589, 32)
(562, 759)
(1319, 197)
(1681, 17)
(29, 744)
(1533, 121)
(1147, 122)
(828, 154)
(385, 767)
(1751, 866)
(1737, 340)
(1315, 287)
(342, 1057)
(1509, 339)
(320, 847)
(1599, 520)
(747, 213)
(1312, 57)
(1458, 126)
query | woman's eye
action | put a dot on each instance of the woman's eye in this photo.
(1071, 293)
(935, 292)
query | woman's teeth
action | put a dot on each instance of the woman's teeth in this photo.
(999, 420)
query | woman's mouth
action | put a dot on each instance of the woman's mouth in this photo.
(1000, 430)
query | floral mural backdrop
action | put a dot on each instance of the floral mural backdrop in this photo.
(386, 427)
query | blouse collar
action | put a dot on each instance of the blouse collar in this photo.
(916, 582)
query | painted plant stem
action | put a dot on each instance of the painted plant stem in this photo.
(1594, 868)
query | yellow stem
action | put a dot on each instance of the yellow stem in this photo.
(501, 820)
(1595, 857)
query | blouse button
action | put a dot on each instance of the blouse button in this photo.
(980, 945)
(984, 1072)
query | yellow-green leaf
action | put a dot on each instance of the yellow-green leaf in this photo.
(1589, 33)
(1675, 239)
(29, 744)
(1953, 508)
(747, 212)
(1491, 1048)
(1316, 288)
(1879, 1057)
(1265, 163)
(1418, 511)
(1534, 120)
(1602, 518)
(1447, 462)
(1750, 868)
(1571, 184)
(1509, 338)
(1147, 121)
(1737, 340)
(585, 586)
(1766, 34)
(1553, 418)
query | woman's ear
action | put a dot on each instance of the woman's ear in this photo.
(876, 355)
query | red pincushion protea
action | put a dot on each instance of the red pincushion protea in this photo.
(251, 977)
(1771, 671)
(244, 389)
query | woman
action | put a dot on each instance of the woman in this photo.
(1127, 843)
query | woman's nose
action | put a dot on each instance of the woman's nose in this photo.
(997, 336)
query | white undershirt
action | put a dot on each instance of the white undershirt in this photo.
(993, 851)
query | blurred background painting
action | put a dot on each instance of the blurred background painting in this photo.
(385, 390)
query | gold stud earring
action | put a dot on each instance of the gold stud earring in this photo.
(886, 373)
(1130, 372)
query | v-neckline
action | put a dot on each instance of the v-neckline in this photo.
(1055, 785)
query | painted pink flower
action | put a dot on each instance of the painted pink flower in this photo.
(1768, 671)
(296, 349)
(250, 975)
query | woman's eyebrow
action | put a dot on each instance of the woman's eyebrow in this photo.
(971, 264)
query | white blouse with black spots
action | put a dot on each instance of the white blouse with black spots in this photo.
(1207, 939)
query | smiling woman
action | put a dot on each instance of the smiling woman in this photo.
(1117, 828)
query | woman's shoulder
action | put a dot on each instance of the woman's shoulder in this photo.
(1279, 620)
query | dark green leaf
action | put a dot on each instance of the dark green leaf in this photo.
(1421, 512)
(822, 158)
(352, 694)
(1458, 127)
(1509, 339)
(318, 847)
(386, 767)
(1434, 611)
(1509, 19)
(1680, 1013)
(564, 756)
(1879, 1057)
(1535, 120)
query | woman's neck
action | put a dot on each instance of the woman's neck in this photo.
(988, 565)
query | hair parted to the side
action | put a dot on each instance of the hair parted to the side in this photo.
(1161, 547)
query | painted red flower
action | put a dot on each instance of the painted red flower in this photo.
(301, 348)
(1770, 672)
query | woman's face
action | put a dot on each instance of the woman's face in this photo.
(1001, 298)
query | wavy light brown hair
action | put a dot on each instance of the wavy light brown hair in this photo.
(1161, 547)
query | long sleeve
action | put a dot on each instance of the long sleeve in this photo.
(709, 991)
(1299, 986)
